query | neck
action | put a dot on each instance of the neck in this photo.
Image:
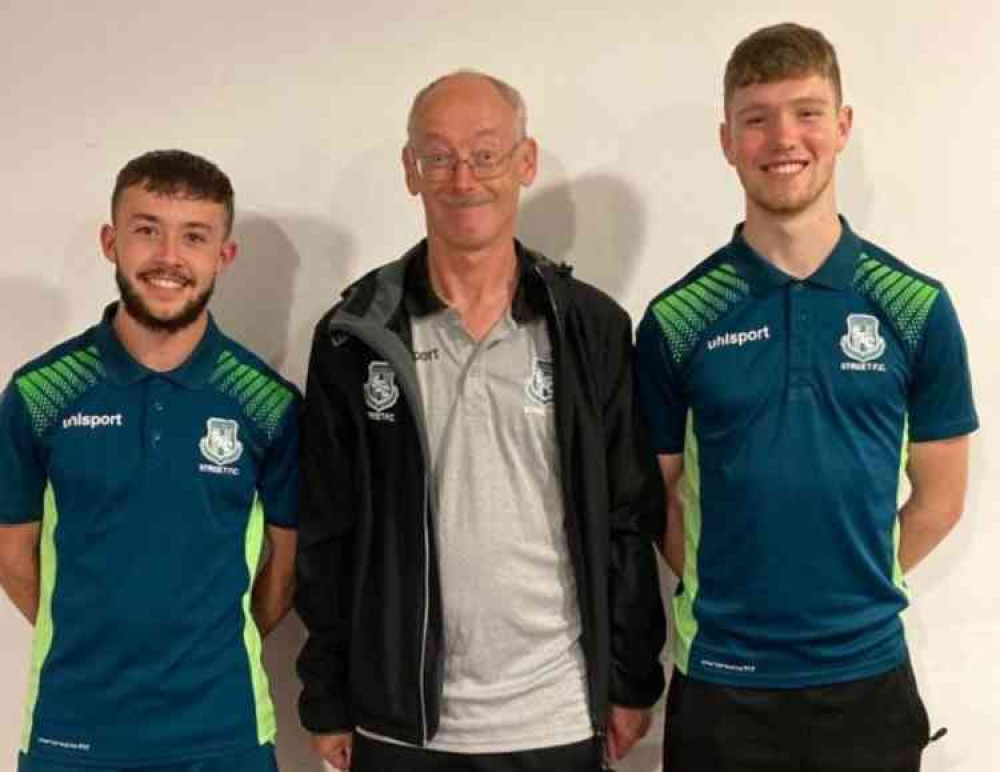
(478, 285)
(157, 350)
(797, 244)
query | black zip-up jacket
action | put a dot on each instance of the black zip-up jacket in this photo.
(368, 588)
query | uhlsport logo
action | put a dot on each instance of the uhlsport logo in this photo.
(221, 446)
(862, 343)
(541, 386)
(739, 339)
(84, 421)
(381, 391)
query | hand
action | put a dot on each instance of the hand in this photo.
(334, 748)
(626, 726)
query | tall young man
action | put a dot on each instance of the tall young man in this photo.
(144, 464)
(475, 571)
(788, 380)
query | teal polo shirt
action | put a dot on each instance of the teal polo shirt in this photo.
(793, 403)
(153, 491)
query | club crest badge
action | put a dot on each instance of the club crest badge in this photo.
(862, 343)
(381, 390)
(221, 445)
(541, 388)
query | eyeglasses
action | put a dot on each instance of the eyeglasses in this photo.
(483, 164)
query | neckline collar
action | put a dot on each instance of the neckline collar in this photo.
(836, 272)
(193, 373)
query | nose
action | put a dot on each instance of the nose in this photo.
(462, 178)
(169, 247)
(784, 131)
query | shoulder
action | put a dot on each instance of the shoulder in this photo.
(266, 398)
(903, 295)
(51, 382)
(687, 308)
(575, 297)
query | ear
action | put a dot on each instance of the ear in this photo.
(527, 162)
(108, 236)
(227, 254)
(845, 122)
(726, 141)
(410, 170)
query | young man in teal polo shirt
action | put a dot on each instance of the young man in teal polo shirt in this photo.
(144, 466)
(788, 380)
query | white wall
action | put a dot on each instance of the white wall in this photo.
(303, 104)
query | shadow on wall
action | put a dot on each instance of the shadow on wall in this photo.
(253, 299)
(595, 222)
(286, 275)
(34, 316)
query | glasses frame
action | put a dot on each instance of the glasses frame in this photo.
(449, 172)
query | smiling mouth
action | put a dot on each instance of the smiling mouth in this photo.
(166, 281)
(784, 168)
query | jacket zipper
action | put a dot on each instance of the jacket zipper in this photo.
(572, 543)
(357, 329)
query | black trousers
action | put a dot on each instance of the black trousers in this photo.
(876, 724)
(375, 756)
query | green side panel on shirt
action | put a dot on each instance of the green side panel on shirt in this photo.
(264, 399)
(263, 707)
(685, 624)
(43, 622)
(898, 578)
(686, 312)
(907, 300)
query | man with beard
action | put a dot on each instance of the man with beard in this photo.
(475, 565)
(789, 380)
(148, 497)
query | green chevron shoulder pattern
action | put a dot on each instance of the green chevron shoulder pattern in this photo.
(264, 399)
(687, 310)
(904, 298)
(48, 389)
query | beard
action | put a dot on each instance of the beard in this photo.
(136, 307)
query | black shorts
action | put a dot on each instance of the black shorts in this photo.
(371, 755)
(876, 724)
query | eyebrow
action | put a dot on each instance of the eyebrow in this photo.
(799, 102)
(145, 217)
(431, 136)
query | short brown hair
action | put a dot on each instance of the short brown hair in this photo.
(177, 173)
(782, 51)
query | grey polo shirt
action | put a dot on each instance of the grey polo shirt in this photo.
(514, 672)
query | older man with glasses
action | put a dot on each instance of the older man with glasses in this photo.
(475, 566)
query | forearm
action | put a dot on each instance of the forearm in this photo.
(672, 547)
(20, 580)
(922, 528)
(271, 601)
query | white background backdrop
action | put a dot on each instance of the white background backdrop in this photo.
(304, 103)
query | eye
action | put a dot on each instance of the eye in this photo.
(195, 238)
(485, 157)
(144, 230)
(753, 120)
(438, 160)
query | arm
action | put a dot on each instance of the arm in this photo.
(324, 561)
(638, 624)
(672, 546)
(938, 473)
(19, 569)
(272, 592)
